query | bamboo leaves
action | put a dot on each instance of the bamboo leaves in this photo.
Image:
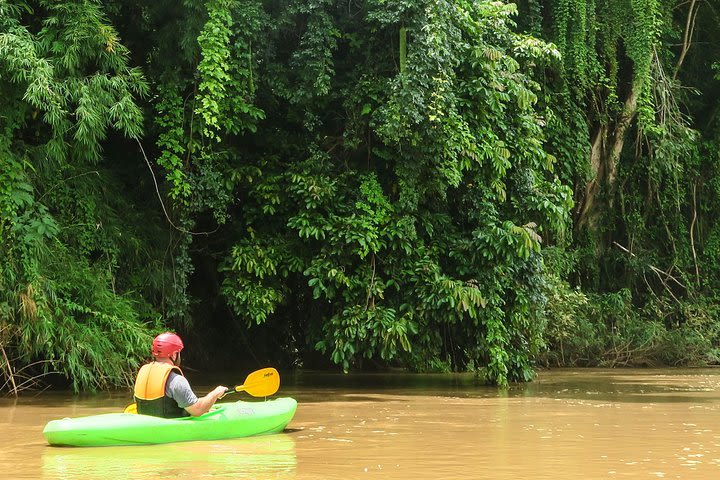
(65, 82)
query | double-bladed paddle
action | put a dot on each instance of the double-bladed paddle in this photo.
(260, 383)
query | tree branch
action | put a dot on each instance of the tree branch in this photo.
(687, 36)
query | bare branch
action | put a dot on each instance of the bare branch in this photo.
(661, 274)
(157, 190)
(692, 228)
(10, 374)
(687, 36)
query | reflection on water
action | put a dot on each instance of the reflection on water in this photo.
(568, 424)
(271, 456)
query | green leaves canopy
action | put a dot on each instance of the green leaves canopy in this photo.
(409, 203)
(378, 180)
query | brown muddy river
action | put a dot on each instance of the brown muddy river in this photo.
(568, 424)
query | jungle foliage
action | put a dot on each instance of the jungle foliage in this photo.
(438, 185)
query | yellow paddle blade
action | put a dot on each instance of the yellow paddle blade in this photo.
(132, 408)
(261, 383)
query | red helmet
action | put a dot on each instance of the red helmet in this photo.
(166, 344)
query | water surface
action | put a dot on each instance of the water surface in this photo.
(568, 424)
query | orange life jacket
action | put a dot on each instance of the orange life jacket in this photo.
(150, 391)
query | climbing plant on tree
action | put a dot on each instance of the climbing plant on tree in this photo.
(638, 222)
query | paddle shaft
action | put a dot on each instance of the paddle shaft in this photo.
(260, 383)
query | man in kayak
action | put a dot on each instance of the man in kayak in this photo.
(161, 389)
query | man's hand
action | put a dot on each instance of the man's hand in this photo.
(203, 404)
(219, 392)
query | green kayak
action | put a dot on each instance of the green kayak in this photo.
(225, 420)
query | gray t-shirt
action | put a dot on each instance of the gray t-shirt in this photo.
(178, 388)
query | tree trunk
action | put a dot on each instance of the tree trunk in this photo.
(605, 153)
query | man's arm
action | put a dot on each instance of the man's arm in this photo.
(179, 390)
(204, 403)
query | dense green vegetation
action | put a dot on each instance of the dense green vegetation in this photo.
(438, 185)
